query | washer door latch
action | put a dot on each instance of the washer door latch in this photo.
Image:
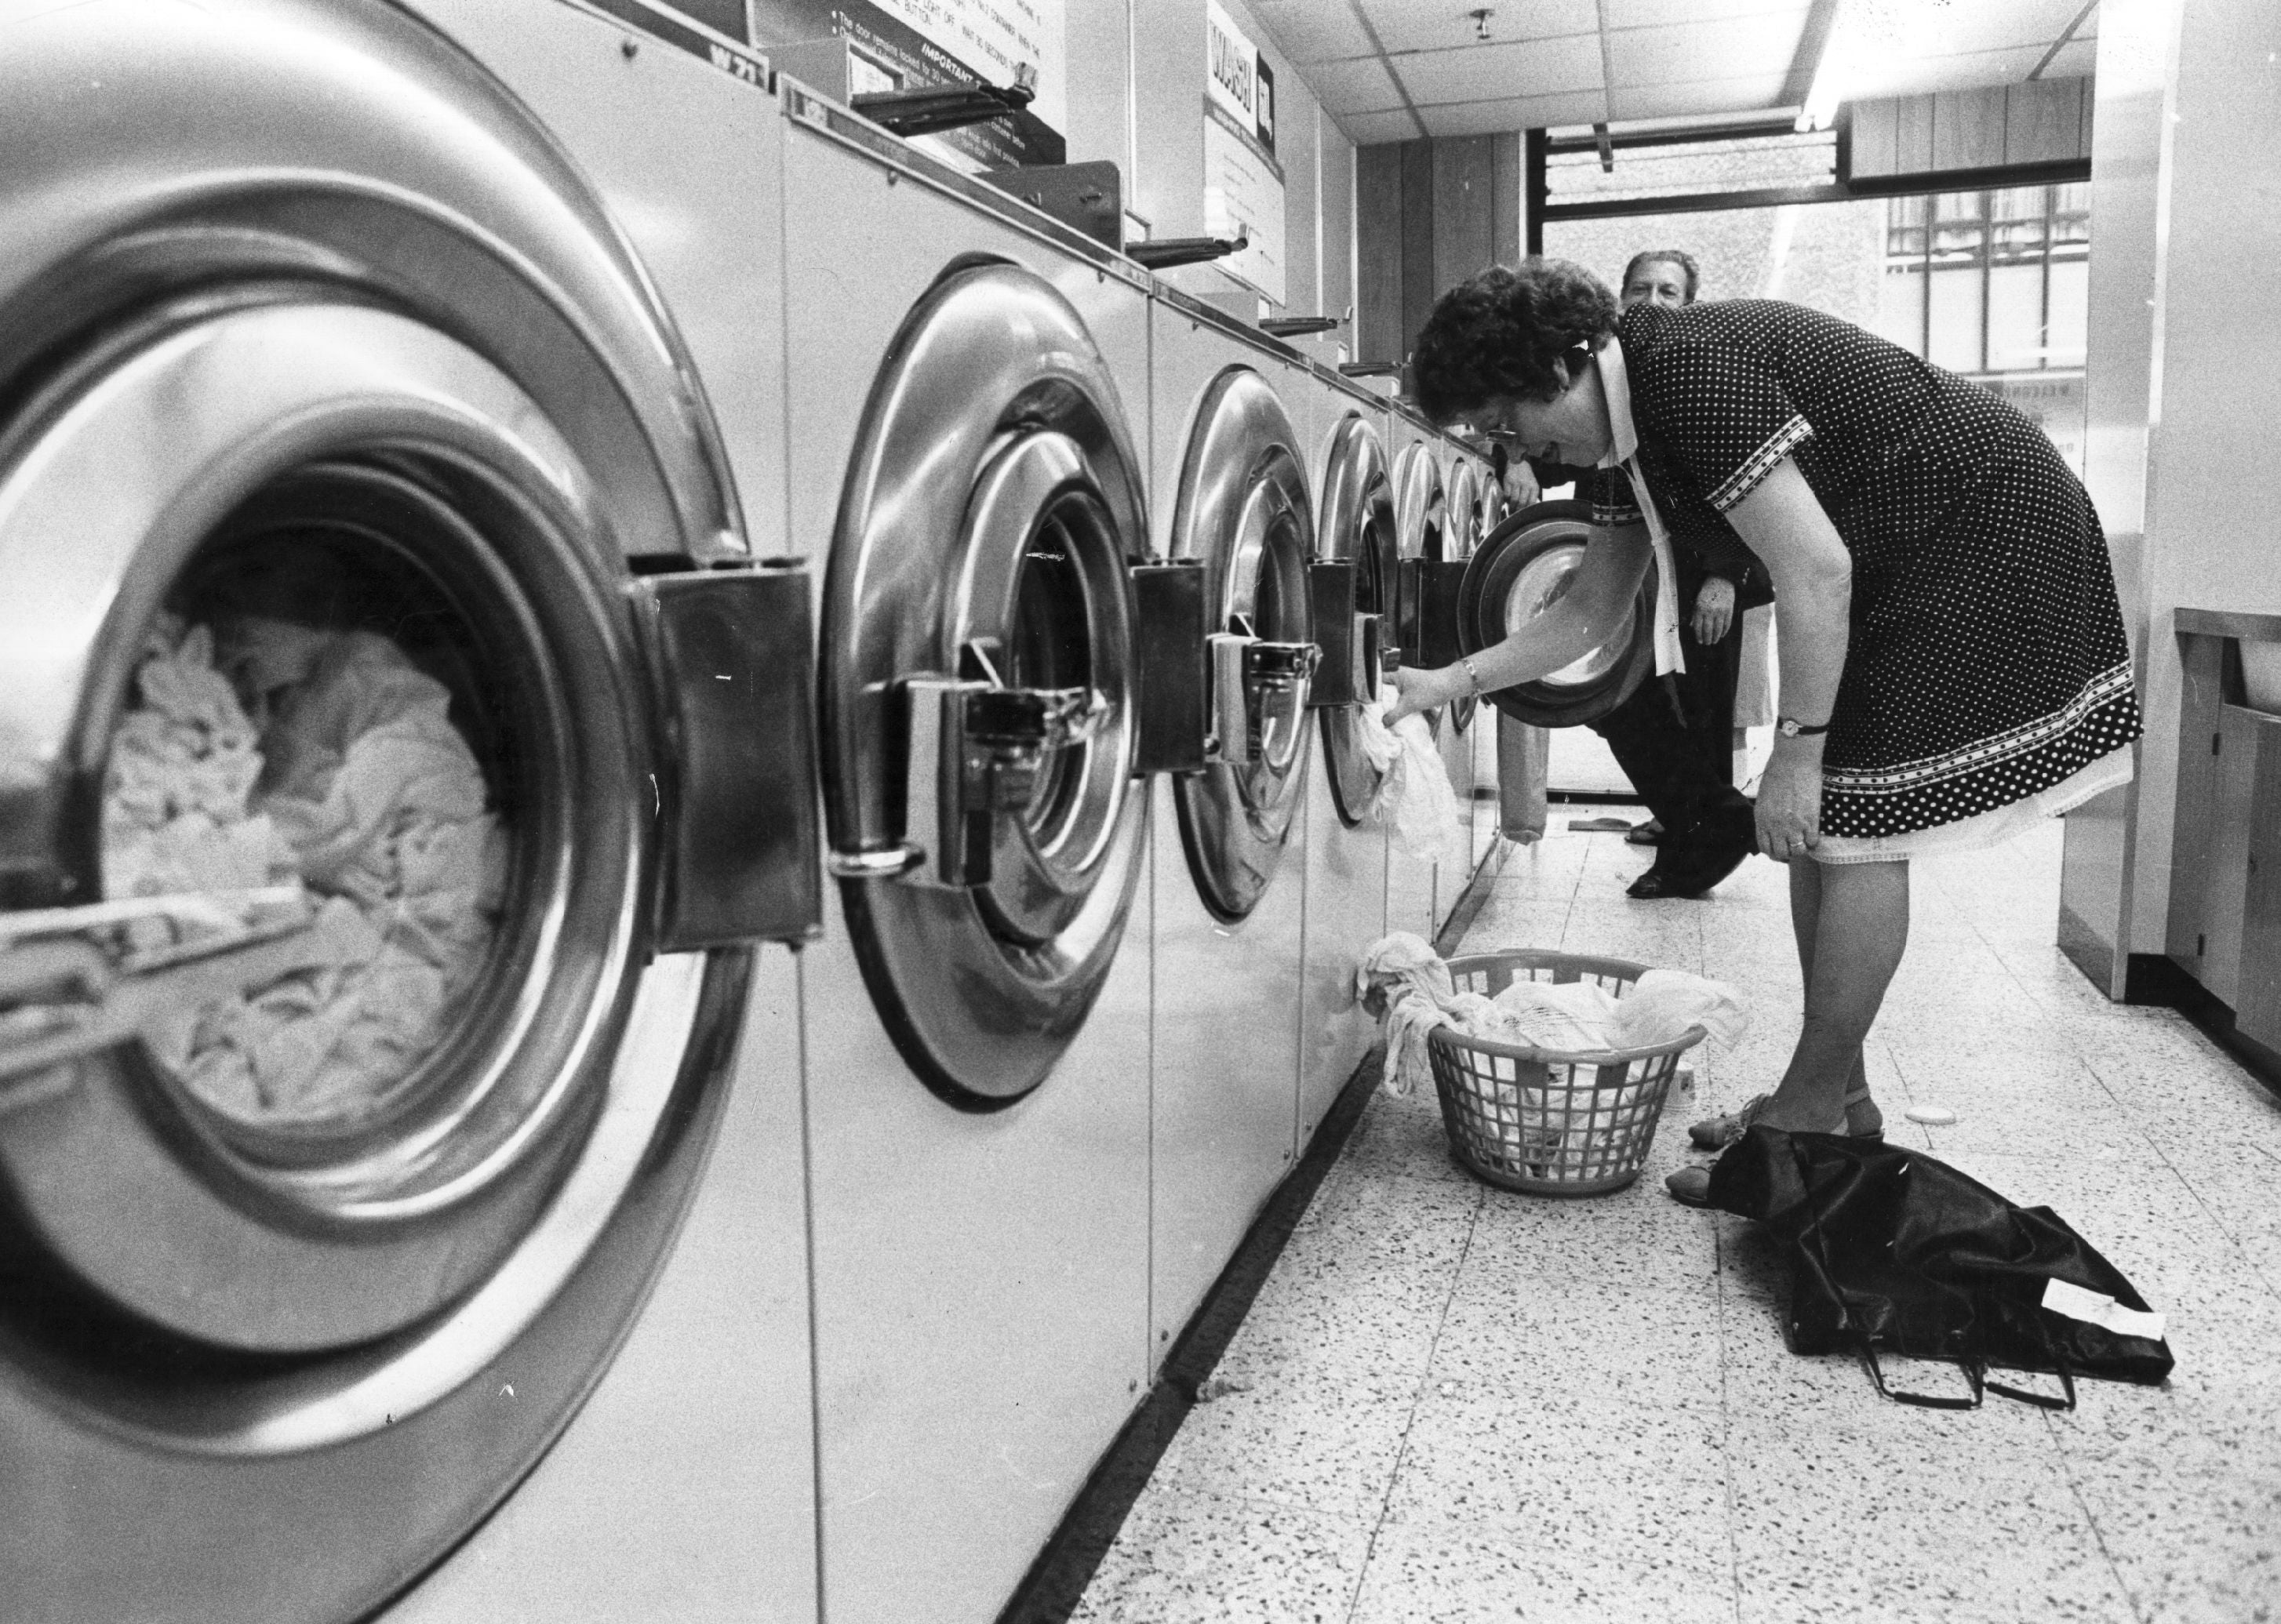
(738, 805)
(1259, 697)
(974, 751)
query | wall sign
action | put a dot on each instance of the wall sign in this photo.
(1243, 184)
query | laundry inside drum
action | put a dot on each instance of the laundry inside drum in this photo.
(303, 746)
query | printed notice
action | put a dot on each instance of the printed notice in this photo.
(1243, 184)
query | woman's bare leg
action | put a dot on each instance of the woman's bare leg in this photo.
(1851, 921)
(1861, 1113)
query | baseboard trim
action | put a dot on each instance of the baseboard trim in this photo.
(1056, 1580)
(2157, 979)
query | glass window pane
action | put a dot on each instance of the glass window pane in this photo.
(1956, 205)
(2016, 318)
(1900, 308)
(2020, 203)
(1954, 338)
(2070, 312)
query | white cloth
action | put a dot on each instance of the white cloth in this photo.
(1414, 798)
(1402, 974)
(1623, 452)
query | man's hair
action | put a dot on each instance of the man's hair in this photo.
(1499, 332)
(1684, 261)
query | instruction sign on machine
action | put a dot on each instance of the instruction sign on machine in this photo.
(1243, 184)
(905, 45)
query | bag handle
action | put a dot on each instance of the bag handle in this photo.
(2044, 1401)
(1974, 1372)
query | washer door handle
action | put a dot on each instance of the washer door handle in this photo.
(972, 753)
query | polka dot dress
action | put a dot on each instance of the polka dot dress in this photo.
(1987, 663)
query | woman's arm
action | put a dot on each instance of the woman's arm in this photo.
(1784, 524)
(1584, 618)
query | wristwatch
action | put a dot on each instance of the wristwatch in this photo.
(1466, 661)
(1791, 727)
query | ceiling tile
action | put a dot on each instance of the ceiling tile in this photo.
(1477, 72)
(1739, 48)
(1313, 30)
(1370, 130)
(1662, 14)
(1522, 113)
(1362, 85)
(1441, 25)
(1923, 75)
(1950, 30)
(1702, 96)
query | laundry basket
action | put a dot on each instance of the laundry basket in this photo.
(1541, 1122)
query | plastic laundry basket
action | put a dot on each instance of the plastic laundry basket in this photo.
(1538, 1120)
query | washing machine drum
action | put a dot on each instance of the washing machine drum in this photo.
(1243, 514)
(1523, 568)
(978, 684)
(355, 1065)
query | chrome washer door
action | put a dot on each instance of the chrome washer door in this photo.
(1462, 536)
(976, 662)
(1525, 568)
(1244, 511)
(1355, 522)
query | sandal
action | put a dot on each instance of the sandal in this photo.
(1717, 1133)
(1692, 1186)
(1646, 834)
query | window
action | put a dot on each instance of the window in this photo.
(1989, 282)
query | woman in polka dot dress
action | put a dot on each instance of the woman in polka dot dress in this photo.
(1954, 662)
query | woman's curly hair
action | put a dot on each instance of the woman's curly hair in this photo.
(1499, 332)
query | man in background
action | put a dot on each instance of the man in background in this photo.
(1674, 737)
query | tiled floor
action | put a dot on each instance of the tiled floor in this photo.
(1450, 1402)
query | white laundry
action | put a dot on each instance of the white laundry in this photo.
(362, 786)
(1414, 797)
(1546, 1109)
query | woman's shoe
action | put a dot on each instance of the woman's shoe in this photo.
(1717, 1133)
(1691, 1187)
(1644, 834)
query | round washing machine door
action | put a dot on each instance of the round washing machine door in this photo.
(1426, 600)
(1461, 535)
(1243, 513)
(350, 1090)
(1355, 527)
(1524, 567)
(977, 684)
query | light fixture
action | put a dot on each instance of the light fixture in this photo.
(1829, 73)
(1480, 16)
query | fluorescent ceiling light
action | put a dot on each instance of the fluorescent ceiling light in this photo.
(1830, 74)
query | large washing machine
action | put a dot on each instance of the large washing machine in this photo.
(976, 1015)
(403, 758)
(1232, 493)
(1413, 885)
(1347, 845)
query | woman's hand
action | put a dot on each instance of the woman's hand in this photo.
(1424, 690)
(1714, 608)
(1790, 800)
(1520, 486)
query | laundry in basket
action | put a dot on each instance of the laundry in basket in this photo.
(1551, 1069)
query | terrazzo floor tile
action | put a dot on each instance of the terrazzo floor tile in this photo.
(1456, 1572)
(1322, 1440)
(1190, 1557)
(1906, 1513)
(1641, 1341)
(1588, 1472)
